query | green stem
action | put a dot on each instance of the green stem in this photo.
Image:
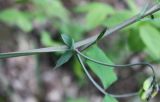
(98, 86)
(118, 66)
(89, 76)
(87, 41)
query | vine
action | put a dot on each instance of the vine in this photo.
(150, 86)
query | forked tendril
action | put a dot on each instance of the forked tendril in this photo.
(79, 54)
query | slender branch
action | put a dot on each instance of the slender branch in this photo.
(98, 86)
(89, 76)
(118, 66)
(87, 41)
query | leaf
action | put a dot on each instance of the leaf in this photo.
(117, 18)
(24, 24)
(18, 18)
(96, 17)
(135, 42)
(155, 21)
(91, 6)
(67, 40)
(50, 8)
(46, 39)
(149, 90)
(132, 5)
(147, 83)
(77, 100)
(151, 37)
(101, 34)
(74, 28)
(9, 15)
(108, 98)
(78, 71)
(64, 58)
(96, 13)
(105, 74)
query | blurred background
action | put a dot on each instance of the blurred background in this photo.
(29, 24)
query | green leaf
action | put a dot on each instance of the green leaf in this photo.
(18, 18)
(73, 28)
(155, 21)
(108, 98)
(52, 8)
(147, 83)
(92, 6)
(117, 18)
(132, 5)
(67, 40)
(101, 34)
(134, 41)
(46, 39)
(149, 90)
(22, 1)
(78, 100)
(64, 58)
(105, 74)
(151, 37)
(78, 71)
(96, 17)
(96, 13)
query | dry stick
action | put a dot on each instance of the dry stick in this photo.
(87, 41)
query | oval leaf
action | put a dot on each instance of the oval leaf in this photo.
(67, 40)
(135, 42)
(106, 74)
(151, 37)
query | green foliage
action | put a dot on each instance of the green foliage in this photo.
(134, 41)
(151, 37)
(68, 41)
(68, 54)
(94, 5)
(101, 34)
(133, 7)
(117, 18)
(47, 40)
(64, 58)
(50, 8)
(22, 1)
(18, 18)
(108, 98)
(96, 13)
(77, 100)
(140, 37)
(73, 28)
(77, 69)
(149, 90)
(106, 74)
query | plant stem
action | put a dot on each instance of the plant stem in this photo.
(89, 76)
(87, 41)
(118, 66)
(98, 86)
